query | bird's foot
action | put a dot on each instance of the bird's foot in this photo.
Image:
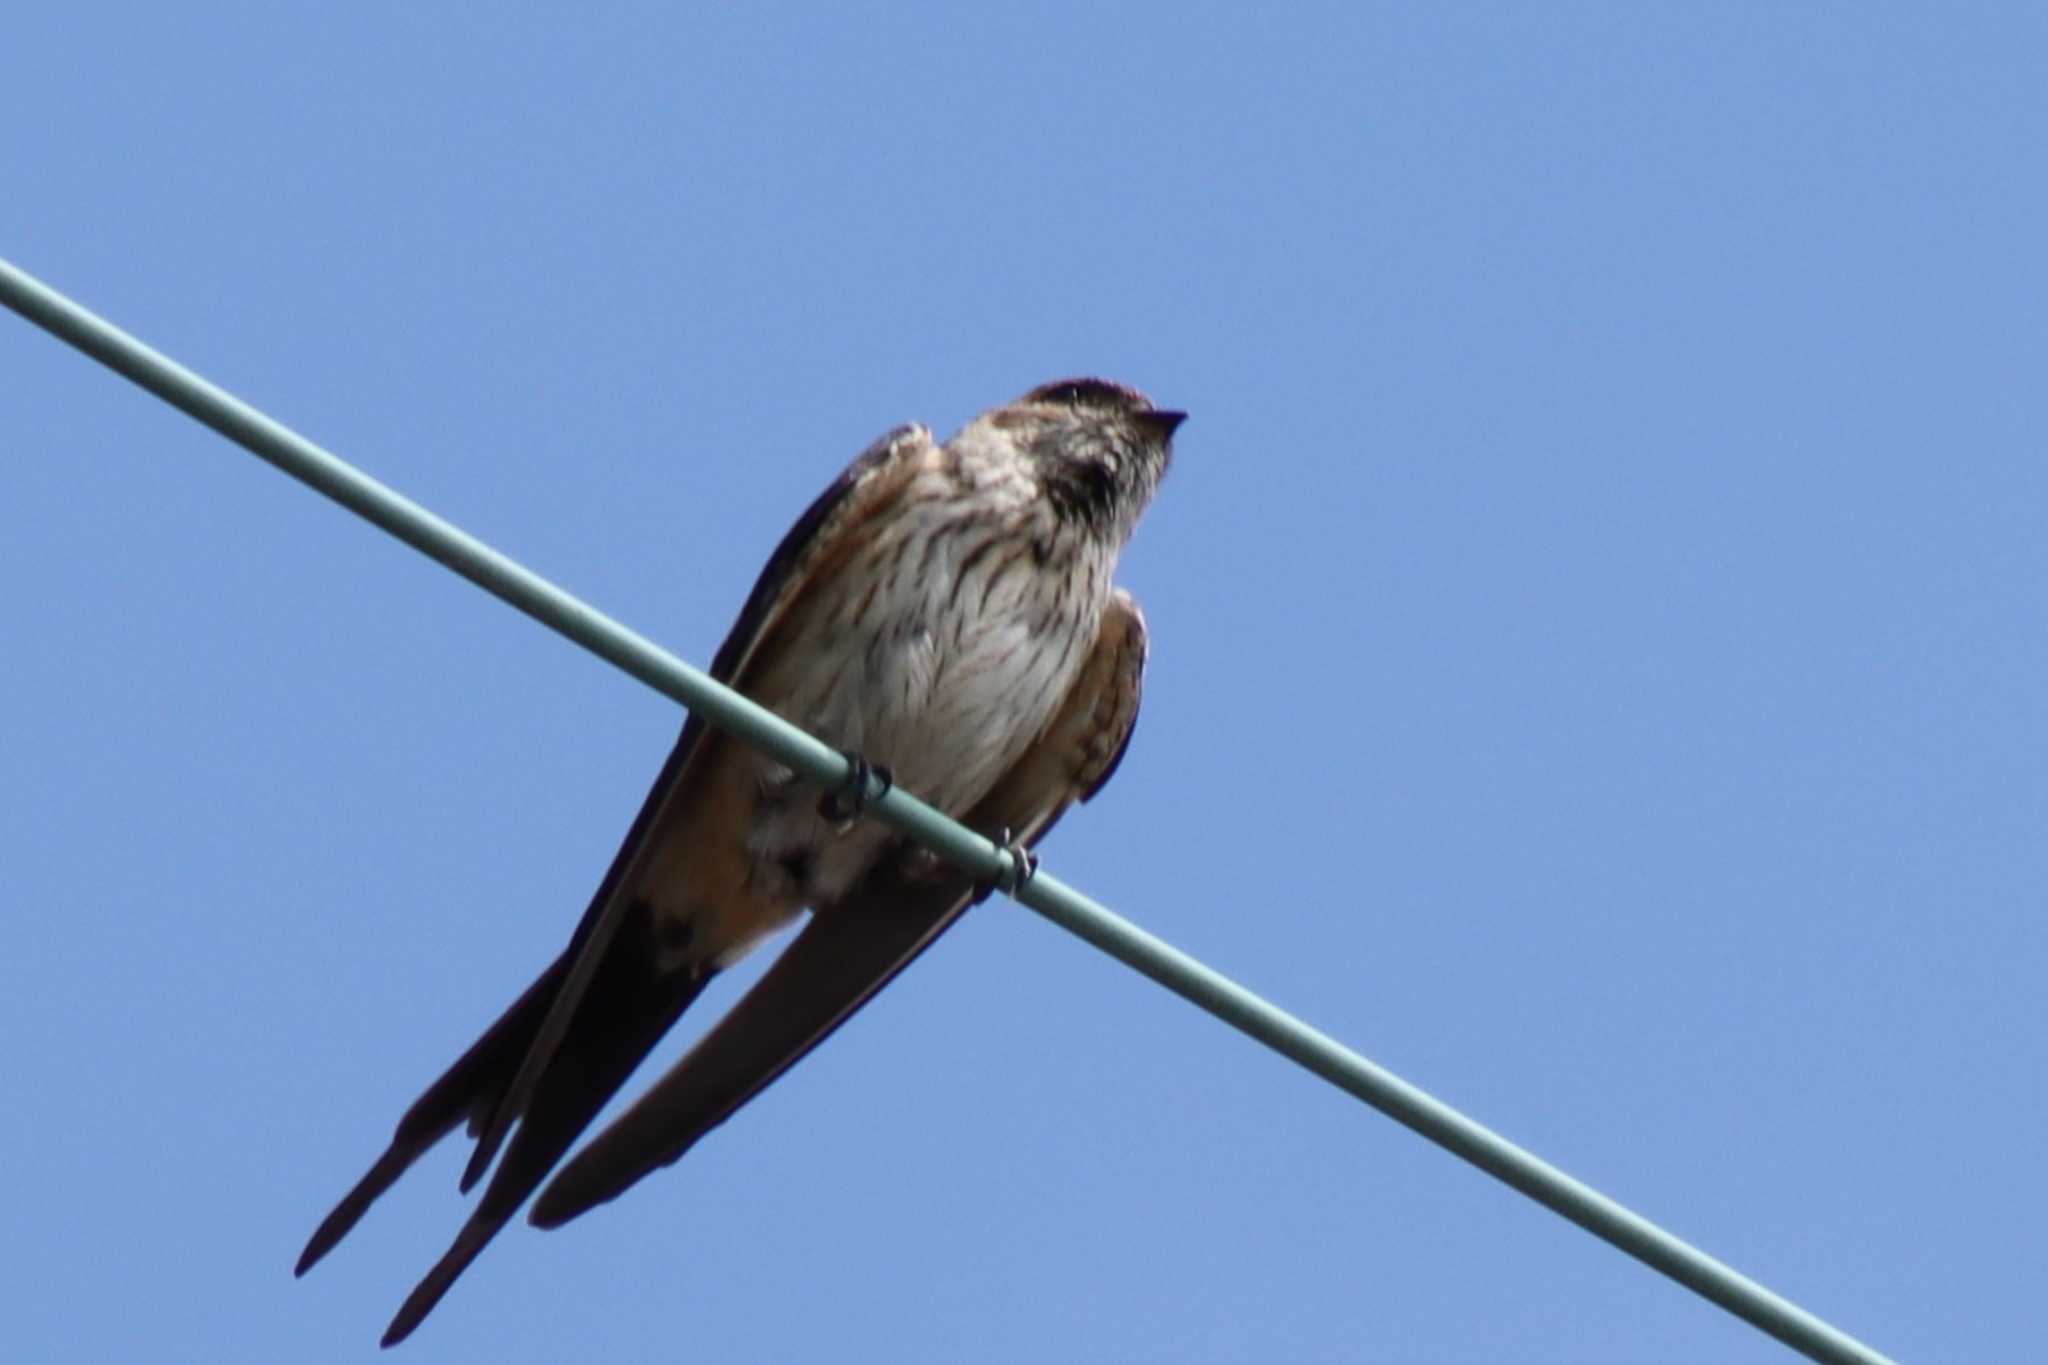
(1023, 866)
(847, 800)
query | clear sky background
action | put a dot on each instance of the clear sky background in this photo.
(1598, 618)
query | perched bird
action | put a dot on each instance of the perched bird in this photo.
(945, 613)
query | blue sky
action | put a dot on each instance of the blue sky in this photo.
(1598, 661)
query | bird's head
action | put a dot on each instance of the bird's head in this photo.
(1101, 447)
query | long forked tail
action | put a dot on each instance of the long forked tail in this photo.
(465, 1092)
(629, 1006)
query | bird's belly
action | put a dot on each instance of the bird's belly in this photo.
(945, 709)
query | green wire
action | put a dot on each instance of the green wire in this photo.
(1171, 968)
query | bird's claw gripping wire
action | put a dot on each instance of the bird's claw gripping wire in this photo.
(847, 800)
(1022, 867)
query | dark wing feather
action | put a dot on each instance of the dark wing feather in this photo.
(850, 951)
(505, 1074)
(784, 576)
(629, 1007)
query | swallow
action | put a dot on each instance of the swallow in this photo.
(945, 613)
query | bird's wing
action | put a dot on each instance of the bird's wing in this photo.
(496, 1080)
(850, 951)
(811, 550)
